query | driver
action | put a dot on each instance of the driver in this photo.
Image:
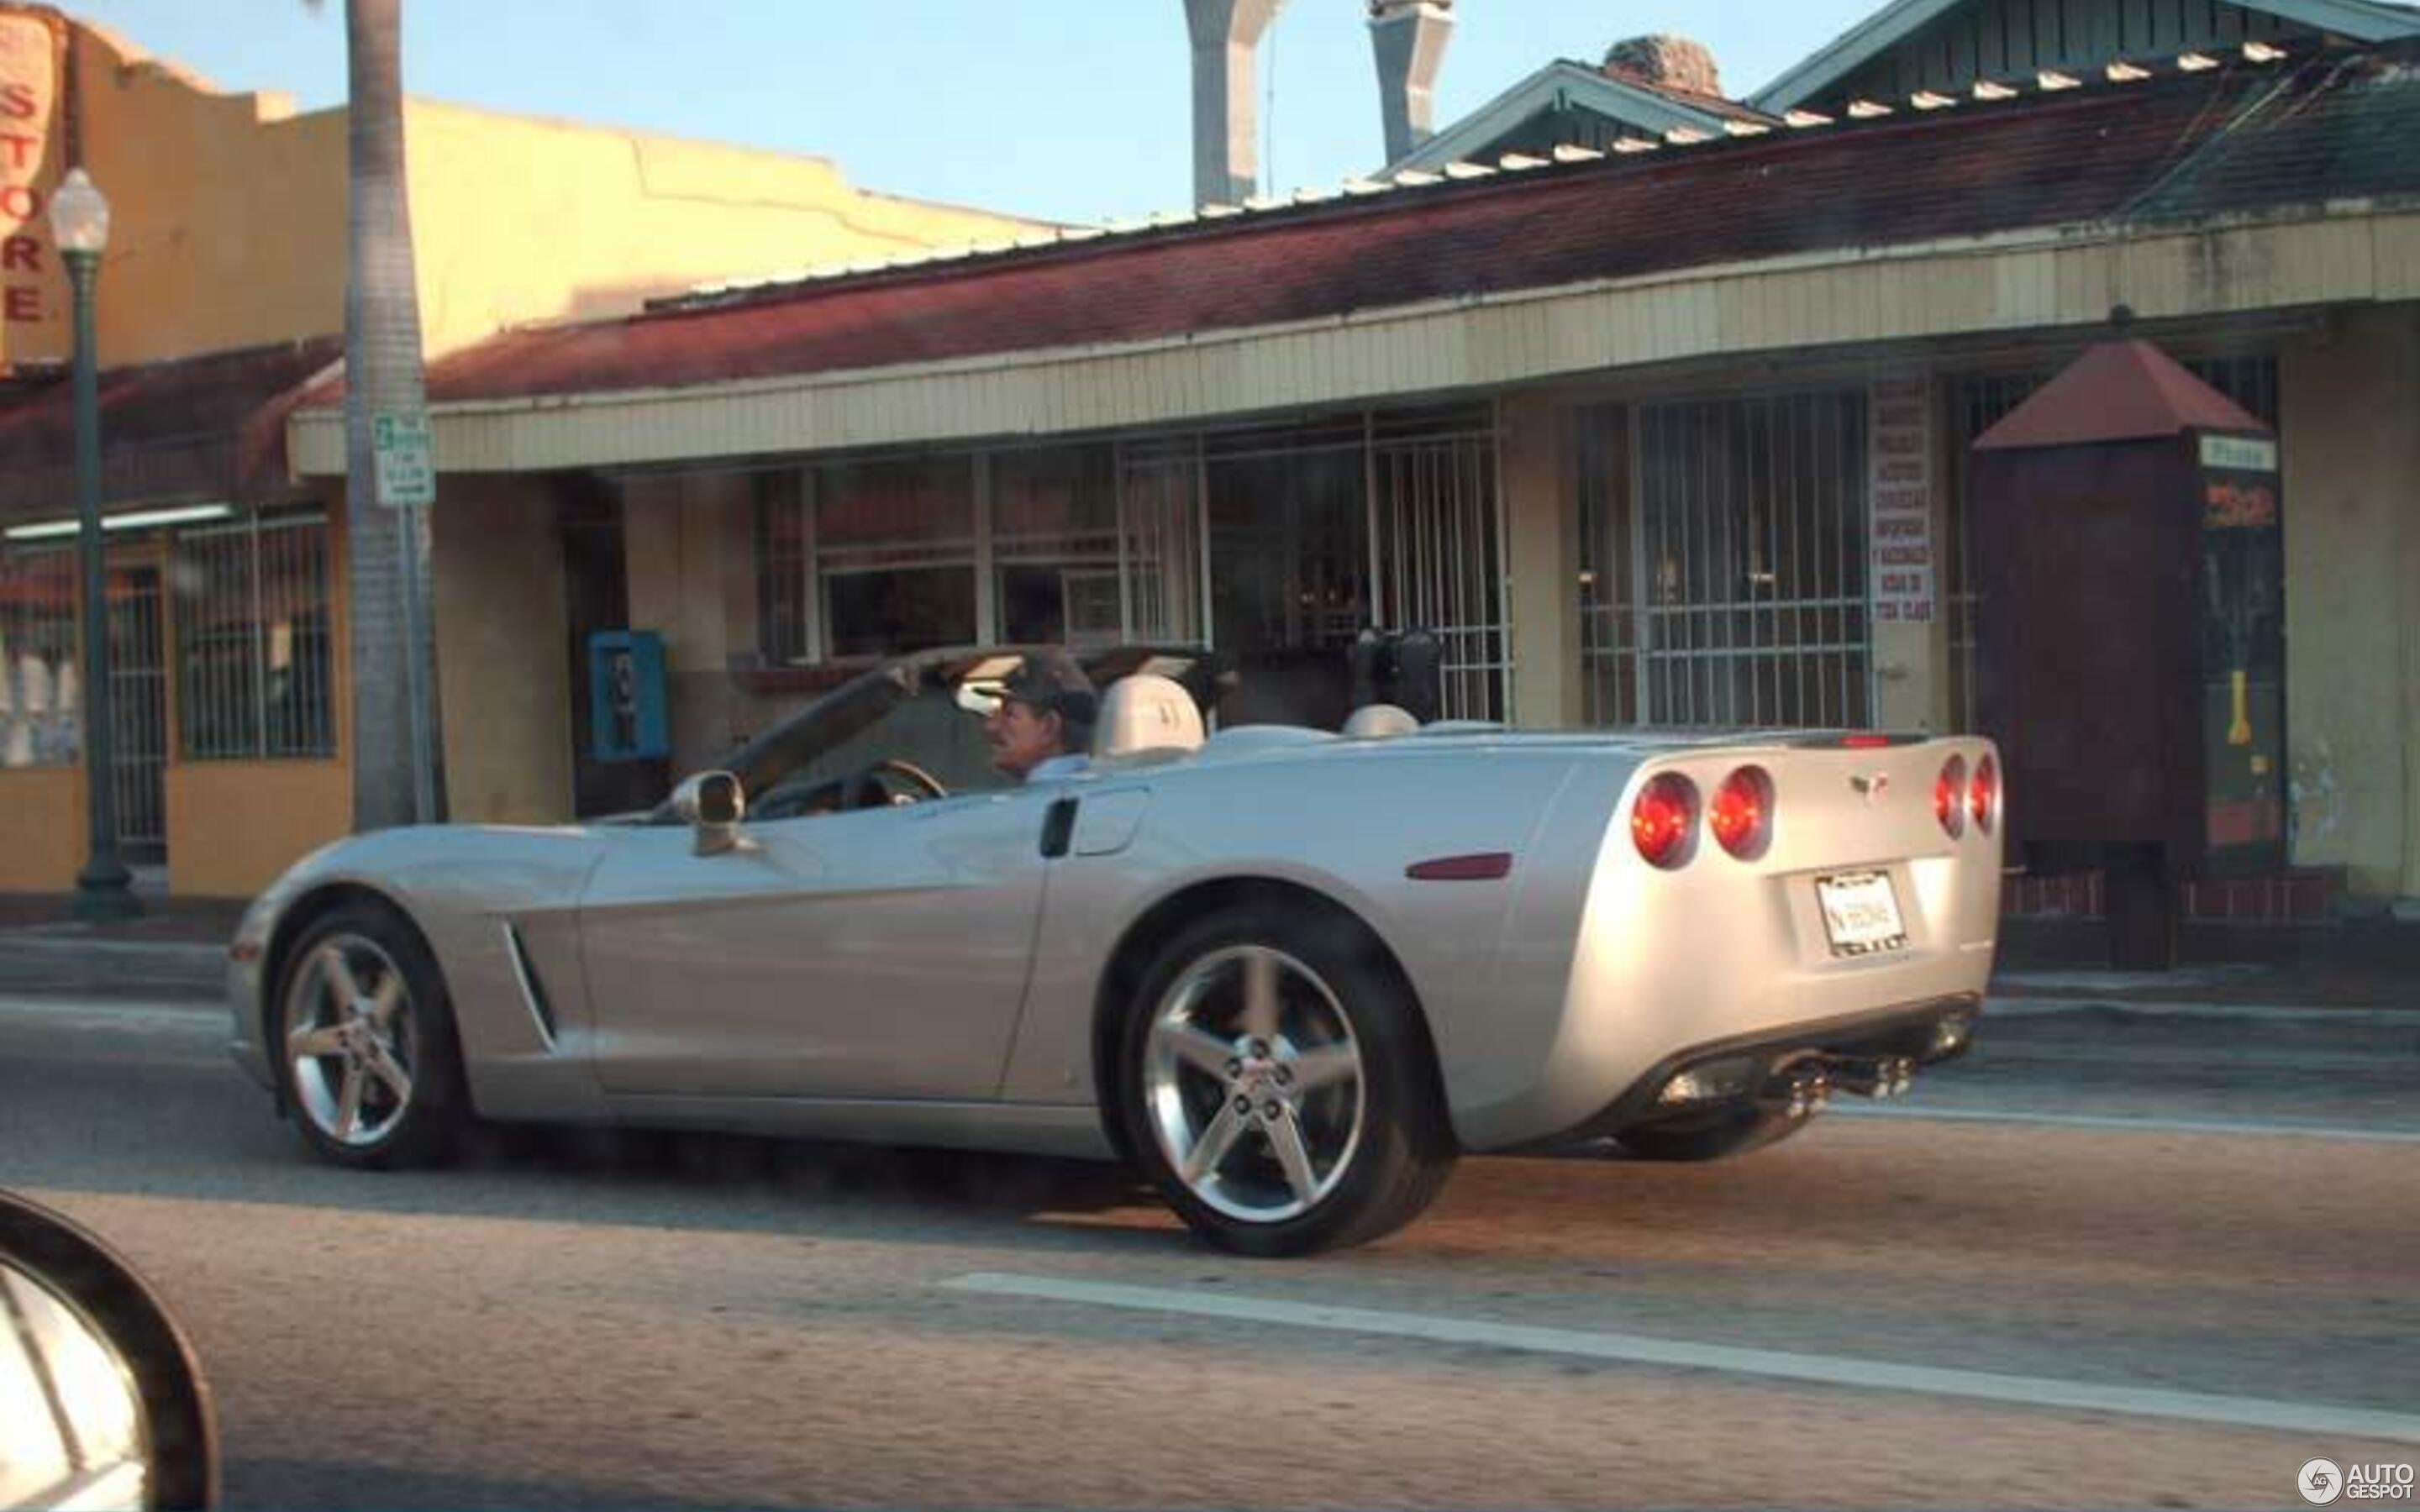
(1046, 710)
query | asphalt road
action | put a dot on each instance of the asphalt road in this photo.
(1992, 1298)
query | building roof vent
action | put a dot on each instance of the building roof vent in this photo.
(1666, 62)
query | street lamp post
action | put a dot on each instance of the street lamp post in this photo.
(80, 227)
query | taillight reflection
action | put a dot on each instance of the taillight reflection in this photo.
(1662, 818)
(1949, 796)
(1742, 817)
(1983, 795)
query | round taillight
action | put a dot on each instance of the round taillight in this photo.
(1663, 818)
(1741, 815)
(1949, 796)
(1983, 795)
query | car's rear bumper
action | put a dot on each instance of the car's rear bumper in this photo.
(1870, 1054)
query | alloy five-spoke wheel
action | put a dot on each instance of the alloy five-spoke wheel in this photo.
(1274, 1080)
(1254, 1083)
(365, 1040)
(350, 1042)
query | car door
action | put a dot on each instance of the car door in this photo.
(871, 953)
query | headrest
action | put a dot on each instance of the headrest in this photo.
(1146, 713)
(1376, 722)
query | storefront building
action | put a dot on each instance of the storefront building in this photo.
(1663, 436)
(219, 302)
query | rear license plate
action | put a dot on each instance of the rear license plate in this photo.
(1861, 913)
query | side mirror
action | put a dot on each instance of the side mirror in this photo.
(713, 804)
(105, 1403)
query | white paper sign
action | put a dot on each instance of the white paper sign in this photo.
(1900, 523)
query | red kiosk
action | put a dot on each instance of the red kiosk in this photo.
(2131, 635)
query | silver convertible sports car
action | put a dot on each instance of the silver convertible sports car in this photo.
(1291, 974)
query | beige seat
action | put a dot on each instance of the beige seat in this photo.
(1376, 722)
(1146, 715)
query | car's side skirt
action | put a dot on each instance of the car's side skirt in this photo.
(1072, 1130)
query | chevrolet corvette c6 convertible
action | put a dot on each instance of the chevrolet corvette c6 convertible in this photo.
(1291, 974)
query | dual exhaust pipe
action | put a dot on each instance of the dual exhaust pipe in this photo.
(1802, 1087)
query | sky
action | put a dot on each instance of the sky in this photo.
(1065, 110)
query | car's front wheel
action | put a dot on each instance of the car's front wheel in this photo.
(366, 1043)
(1277, 1088)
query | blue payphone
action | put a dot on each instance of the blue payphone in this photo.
(627, 715)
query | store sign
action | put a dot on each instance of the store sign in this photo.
(405, 472)
(34, 315)
(1901, 553)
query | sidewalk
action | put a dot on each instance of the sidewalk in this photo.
(178, 949)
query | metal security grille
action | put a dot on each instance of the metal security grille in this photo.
(138, 689)
(252, 635)
(1439, 553)
(37, 653)
(1983, 401)
(1724, 579)
(786, 629)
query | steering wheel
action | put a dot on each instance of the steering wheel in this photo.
(871, 789)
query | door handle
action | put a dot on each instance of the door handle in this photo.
(1058, 827)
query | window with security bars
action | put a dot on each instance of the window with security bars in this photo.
(1723, 562)
(1087, 546)
(254, 670)
(39, 677)
(1981, 401)
(1054, 546)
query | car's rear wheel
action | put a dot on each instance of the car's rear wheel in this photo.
(1278, 1087)
(365, 1042)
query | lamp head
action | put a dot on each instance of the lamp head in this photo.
(79, 214)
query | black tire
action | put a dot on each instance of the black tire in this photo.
(1395, 1165)
(1734, 1132)
(422, 1128)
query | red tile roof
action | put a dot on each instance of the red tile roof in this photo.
(212, 424)
(2093, 154)
(2119, 390)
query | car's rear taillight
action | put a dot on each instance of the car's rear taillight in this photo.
(1949, 796)
(1663, 818)
(1742, 816)
(1983, 795)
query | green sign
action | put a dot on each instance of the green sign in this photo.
(407, 474)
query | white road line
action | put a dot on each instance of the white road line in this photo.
(2091, 1120)
(1831, 1370)
(130, 1017)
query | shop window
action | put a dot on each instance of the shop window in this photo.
(895, 548)
(253, 671)
(877, 558)
(1055, 546)
(40, 681)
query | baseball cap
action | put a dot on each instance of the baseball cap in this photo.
(1051, 681)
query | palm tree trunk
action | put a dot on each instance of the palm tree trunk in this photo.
(391, 601)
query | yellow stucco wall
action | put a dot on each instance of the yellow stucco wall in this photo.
(234, 825)
(503, 653)
(1540, 505)
(2352, 460)
(228, 214)
(42, 828)
(517, 220)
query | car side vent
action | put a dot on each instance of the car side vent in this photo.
(533, 988)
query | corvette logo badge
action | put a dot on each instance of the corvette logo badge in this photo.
(1872, 787)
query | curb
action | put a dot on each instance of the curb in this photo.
(50, 964)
